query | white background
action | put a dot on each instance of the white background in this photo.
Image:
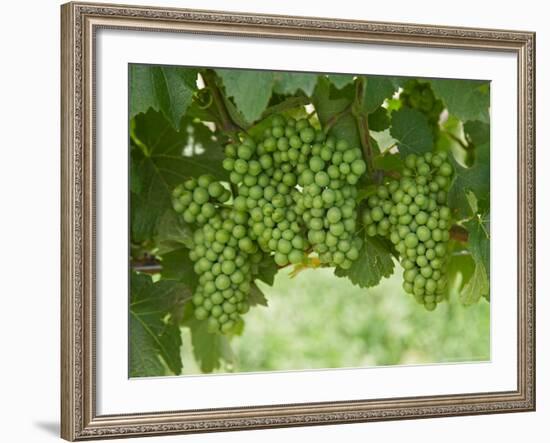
(118, 394)
(29, 186)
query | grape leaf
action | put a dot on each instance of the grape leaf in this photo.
(256, 296)
(172, 233)
(167, 158)
(135, 182)
(329, 103)
(477, 286)
(478, 132)
(176, 265)
(168, 89)
(235, 114)
(379, 120)
(377, 89)
(479, 240)
(290, 104)
(412, 130)
(389, 162)
(144, 358)
(476, 179)
(209, 349)
(472, 201)
(267, 269)
(459, 265)
(466, 99)
(152, 336)
(478, 227)
(451, 138)
(250, 90)
(340, 80)
(375, 261)
(288, 83)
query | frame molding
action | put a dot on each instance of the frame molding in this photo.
(79, 21)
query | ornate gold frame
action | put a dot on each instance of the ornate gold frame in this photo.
(79, 420)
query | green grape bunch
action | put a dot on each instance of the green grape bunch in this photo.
(223, 263)
(412, 213)
(222, 252)
(327, 203)
(299, 189)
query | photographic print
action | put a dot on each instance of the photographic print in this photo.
(295, 221)
(301, 238)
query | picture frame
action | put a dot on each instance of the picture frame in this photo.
(79, 400)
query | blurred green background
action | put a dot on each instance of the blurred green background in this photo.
(317, 320)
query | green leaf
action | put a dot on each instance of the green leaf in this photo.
(478, 133)
(460, 268)
(377, 90)
(266, 270)
(412, 130)
(375, 261)
(167, 89)
(144, 358)
(251, 90)
(330, 102)
(235, 115)
(209, 349)
(290, 103)
(155, 340)
(340, 80)
(472, 201)
(451, 137)
(172, 233)
(474, 179)
(389, 162)
(289, 83)
(170, 157)
(135, 182)
(478, 227)
(466, 99)
(477, 286)
(379, 120)
(176, 265)
(479, 240)
(256, 296)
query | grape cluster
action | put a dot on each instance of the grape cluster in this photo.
(418, 95)
(222, 255)
(222, 252)
(298, 188)
(412, 213)
(327, 204)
